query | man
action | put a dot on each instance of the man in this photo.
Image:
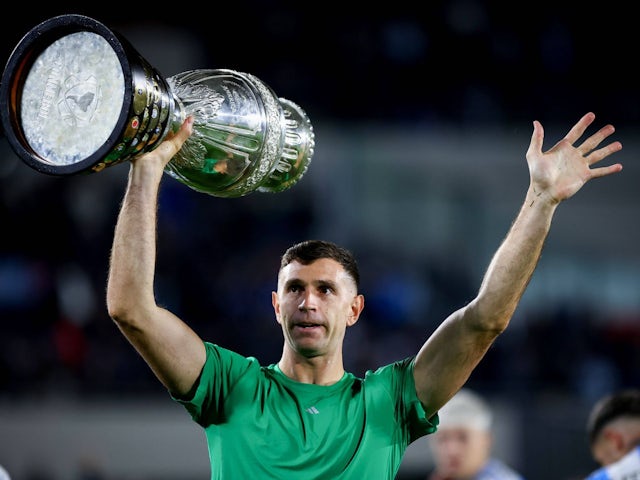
(305, 417)
(613, 429)
(462, 446)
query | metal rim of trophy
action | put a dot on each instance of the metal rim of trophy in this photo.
(19, 65)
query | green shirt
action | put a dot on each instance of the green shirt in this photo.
(261, 425)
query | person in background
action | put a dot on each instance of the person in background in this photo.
(4, 475)
(613, 429)
(462, 446)
(305, 416)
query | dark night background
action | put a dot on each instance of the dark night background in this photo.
(422, 115)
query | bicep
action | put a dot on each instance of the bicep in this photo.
(447, 358)
(173, 351)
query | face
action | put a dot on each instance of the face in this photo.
(609, 447)
(314, 305)
(460, 452)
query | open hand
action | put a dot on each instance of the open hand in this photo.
(562, 170)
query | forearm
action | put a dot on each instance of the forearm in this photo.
(514, 262)
(133, 255)
(451, 353)
(130, 290)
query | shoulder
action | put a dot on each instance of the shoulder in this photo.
(396, 369)
(222, 363)
(218, 354)
(393, 378)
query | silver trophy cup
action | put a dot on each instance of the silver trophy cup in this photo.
(76, 97)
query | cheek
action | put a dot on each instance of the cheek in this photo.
(284, 308)
(607, 455)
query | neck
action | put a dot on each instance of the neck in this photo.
(319, 370)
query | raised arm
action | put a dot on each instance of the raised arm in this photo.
(448, 357)
(173, 350)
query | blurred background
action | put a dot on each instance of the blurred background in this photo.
(422, 119)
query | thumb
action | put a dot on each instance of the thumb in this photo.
(537, 138)
(185, 131)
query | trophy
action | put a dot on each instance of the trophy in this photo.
(77, 97)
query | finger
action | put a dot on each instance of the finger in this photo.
(185, 130)
(173, 143)
(601, 153)
(578, 129)
(603, 171)
(594, 140)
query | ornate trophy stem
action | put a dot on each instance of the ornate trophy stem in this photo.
(77, 98)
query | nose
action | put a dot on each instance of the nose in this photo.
(307, 302)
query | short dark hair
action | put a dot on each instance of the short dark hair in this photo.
(625, 403)
(309, 251)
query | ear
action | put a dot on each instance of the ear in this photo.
(276, 305)
(357, 305)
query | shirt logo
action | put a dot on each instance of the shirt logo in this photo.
(312, 410)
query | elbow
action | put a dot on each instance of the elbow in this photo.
(114, 300)
(117, 309)
(130, 303)
(128, 318)
(492, 319)
(123, 308)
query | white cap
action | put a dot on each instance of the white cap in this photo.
(466, 409)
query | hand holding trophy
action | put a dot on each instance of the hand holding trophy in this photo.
(76, 97)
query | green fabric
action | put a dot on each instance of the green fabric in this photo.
(261, 425)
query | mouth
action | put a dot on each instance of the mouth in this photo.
(306, 326)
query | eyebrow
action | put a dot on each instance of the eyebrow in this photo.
(315, 283)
